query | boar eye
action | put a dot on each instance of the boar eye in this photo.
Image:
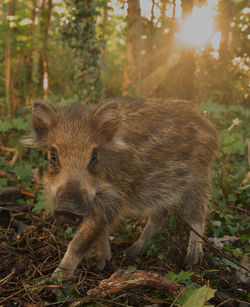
(53, 156)
(94, 161)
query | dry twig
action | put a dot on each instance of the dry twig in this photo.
(10, 149)
(6, 175)
(123, 279)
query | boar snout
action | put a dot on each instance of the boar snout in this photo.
(71, 203)
(67, 217)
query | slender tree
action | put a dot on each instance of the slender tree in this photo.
(46, 16)
(131, 74)
(11, 5)
(229, 13)
(28, 57)
(185, 85)
(103, 32)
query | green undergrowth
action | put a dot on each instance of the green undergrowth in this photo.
(229, 201)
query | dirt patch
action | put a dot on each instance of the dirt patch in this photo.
(27, 261)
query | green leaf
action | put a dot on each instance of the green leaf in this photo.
(132, 267)
(231, 198)
(3, 182)
(233, 265)
(14, 140)
(40, 205)
(171, 276)
(6, 126)
(237, 253)
(24, 172)
(19, 124)
(196, 298)
(245, 237)
(69, 232)
(179, 278)
(182, 276)
(161, 256)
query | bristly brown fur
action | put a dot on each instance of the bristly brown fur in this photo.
(126, 157)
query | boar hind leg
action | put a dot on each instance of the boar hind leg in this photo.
(153, 225)
(79, 247)
(197, 218)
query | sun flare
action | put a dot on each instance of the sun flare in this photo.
(198, 28)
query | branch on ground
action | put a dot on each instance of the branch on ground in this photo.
(124, 279)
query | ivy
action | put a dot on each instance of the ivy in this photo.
(79, 31)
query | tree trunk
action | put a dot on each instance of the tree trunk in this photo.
(131, 74)
(148, 67)
(227, 12)
(29, 53)
(46, 20)
(187, 64)
(103, 50)
(11, 5)
(225, 29)
(174, 75)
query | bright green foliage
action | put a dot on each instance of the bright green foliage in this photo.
(11, 133)
(233, 125)
(24, 172)
(224, 77)
(113, 58)
(42, 204)
(153, 247)
(179, 278)
(80, 33)
(194, 295)
(18, 123)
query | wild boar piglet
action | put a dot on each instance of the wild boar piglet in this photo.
(120, 158)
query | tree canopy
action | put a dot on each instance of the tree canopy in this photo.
(90, 49)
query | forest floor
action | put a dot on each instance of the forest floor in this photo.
(28, 259)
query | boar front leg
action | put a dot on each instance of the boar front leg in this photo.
(154, 224)
(103, 252)
(86, 236)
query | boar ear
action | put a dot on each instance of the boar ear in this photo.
(43, 118)
(105, 121)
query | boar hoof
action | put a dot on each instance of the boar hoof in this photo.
(60, 274)
(133, 252)
(193, 259)
(106, 265)
(110, 266)
(100, 265)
